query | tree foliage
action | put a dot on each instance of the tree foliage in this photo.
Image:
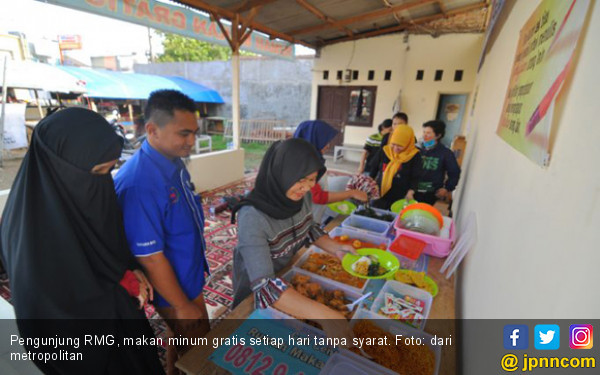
(179, 48)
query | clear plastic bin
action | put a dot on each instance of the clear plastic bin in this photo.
(365, 224)
(361, 236)
(314, 249)
(419, 265)
(395, 327)
(399, 289)
(380, 212)
(351, 293)
(436, 246)
(409, 252)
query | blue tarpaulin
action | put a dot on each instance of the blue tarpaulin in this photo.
(108, 84)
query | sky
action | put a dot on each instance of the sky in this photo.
(100, 36)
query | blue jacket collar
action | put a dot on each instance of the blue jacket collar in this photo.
(168, 167)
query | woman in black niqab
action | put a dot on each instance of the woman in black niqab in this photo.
(65, 250)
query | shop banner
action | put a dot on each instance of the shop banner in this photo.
(15, 134)
(178, 20)
(546, 46)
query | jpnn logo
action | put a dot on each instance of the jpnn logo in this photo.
(581, 336)
(516, 336)
(547, 337)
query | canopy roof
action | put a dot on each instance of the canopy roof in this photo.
(118, 85)
(317, 23)
(32, 75)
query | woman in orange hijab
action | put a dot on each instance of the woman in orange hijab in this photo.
(400, 168)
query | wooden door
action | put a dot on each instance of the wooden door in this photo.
(332, 108)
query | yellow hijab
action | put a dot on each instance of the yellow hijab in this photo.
(403, 136)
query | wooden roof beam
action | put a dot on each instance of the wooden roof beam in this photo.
(247, 5)
(230, 16)
(314, 10)
(363, 17)
(454, 12)
(217, 19)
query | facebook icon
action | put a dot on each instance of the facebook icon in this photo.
(516, 336)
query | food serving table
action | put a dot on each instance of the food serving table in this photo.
(196, 360)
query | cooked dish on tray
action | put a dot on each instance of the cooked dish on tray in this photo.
(336, 299)
(403, 359)
(368, 266)
(331, 267)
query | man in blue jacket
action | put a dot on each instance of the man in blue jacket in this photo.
(163, 216)
(440, 172)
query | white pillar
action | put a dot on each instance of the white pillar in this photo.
(235, 98)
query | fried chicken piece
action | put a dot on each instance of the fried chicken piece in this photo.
(313, 289)
(337, 304)
(338, 294)
(300, 279)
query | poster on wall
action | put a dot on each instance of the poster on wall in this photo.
(15, 135)
(544, 53)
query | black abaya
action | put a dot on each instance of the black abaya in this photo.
(65, 250)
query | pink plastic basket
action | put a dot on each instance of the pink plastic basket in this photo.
(436, 246)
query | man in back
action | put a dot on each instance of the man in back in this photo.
(163, 216)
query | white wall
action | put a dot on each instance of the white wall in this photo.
(538, 250)
(448, 53)
(208, 171)
(216, 169)
(378, 54)
(419, 99)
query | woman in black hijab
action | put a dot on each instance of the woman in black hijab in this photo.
(64, 248)
(274, 222)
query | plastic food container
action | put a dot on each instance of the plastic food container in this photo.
(437, 246)
(365, 224)
(361, 236)
(395, 327)
(378, 211)
(398, 289)
(351, 293)
(314, 249)
(347, 363)
(408, 250)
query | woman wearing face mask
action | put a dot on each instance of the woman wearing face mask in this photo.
(400, 168)
(439, 162)
(274, 222)
(64, 247)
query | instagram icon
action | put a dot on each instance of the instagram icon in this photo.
(581, 336)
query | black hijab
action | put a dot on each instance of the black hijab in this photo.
(63, 241)
(64, 245)
(284, 164)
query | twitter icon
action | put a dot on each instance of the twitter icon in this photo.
(547, 337)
